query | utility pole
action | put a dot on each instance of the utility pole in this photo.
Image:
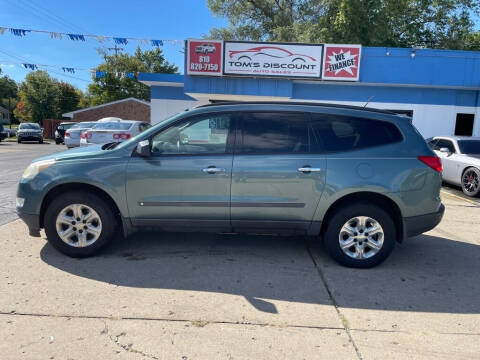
(116, 49)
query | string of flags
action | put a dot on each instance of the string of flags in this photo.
(84, 37)
(99, 74)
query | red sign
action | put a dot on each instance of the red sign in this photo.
(341, 62)
(204, 57)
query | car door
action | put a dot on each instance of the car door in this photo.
(186, 180)
(449, 163)
(276, 182)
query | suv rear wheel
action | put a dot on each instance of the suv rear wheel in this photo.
(79, 224)
(360, 235)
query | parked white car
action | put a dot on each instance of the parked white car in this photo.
(104, 132)
(72, 135)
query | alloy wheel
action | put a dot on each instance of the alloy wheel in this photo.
(361, 237)
(470, 181)
(78, 225)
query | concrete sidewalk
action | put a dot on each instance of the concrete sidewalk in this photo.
(189, 296)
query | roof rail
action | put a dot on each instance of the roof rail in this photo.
(340, 106)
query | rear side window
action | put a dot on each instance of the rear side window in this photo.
(335, 133)
(112, 126)
(275, 133)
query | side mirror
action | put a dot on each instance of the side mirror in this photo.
(445, 150)
(143, 148)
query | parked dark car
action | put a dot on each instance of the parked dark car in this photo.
(60, 131)
(360, 179)
(3, 134)
(29, 132)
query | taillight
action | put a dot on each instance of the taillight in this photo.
(67, 134)
(85, 135)
(432, 161)
(121, 136)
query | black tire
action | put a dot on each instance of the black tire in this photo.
(474, 172)
(19, 141)
(40, 141)
(342, 216)
(102, 208)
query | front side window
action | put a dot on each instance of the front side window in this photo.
(195, 136)
(275, 133)
(445, 144)
(336, 133)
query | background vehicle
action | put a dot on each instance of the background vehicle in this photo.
(3, 134)
(60, 131)
(72, 136)
(10, 132)
(360, 179)
(461, 161)
(112, 131)
(29, 132)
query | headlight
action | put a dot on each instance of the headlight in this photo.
(36, 167)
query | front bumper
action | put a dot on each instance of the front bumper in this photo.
(30, 137)
(32, 221)
(416, 225)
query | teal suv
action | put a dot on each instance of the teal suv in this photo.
(359, 179)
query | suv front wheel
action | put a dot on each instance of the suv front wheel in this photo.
(79, 224)
(360, 235)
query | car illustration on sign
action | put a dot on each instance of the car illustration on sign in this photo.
(271, 51)
(205, 48)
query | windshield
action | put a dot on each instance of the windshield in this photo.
(29, 126)
(112, 126)
(83, 125)
(469, 146)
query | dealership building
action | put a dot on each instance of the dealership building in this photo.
(438, 89)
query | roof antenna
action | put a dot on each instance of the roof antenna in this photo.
(369, 99)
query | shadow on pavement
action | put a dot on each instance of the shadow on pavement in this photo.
(426, 274)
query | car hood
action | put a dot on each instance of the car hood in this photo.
(77, 153)
(29, 130)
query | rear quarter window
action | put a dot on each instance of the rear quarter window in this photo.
(334, 133)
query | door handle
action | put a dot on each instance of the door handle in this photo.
(213, 170)
(308, 169)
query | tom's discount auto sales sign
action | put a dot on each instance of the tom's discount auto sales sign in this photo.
(341, 62)
(204, 57)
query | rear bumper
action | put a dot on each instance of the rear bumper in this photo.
(416, 225)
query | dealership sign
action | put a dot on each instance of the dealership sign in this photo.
(272, 59)
(204, 57)
(341, 62)
(288, 60)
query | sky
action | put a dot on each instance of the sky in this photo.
(150, 19)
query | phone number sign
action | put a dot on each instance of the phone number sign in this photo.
(204, 57)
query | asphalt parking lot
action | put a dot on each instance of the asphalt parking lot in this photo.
(195, 296)
(14, 158)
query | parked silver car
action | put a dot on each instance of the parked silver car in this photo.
(105, 132)
(72, 135)
(460, 157)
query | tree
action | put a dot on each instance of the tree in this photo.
(68, 98)
(402, 23)
(38, 97)
(42, 97)
(112, 87)
(8, 94)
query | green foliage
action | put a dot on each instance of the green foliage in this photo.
(8, 88)
(111, 87)
(41, 97)
(397, 23)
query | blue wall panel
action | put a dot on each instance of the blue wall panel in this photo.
(387, 94)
